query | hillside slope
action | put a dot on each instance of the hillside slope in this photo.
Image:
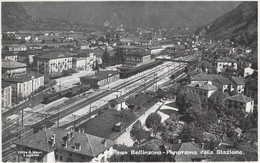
(134, 14)
(239, 24)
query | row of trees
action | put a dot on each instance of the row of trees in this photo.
(111, 60)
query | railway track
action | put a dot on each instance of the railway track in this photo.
(27, 131)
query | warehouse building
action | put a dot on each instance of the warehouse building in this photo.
(100, 79)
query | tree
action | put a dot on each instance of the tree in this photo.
(186, 98)
(106, 59)
(27, 61)
(175, 88)
(43, 41)
(138, 133)
(190, 131)
(153, 122)
(23, 41)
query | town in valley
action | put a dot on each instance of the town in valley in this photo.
(96, 82)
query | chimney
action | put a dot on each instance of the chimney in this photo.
(179, 140)
(83, 130)
(192, 140)
(79, 130)
(202, 145)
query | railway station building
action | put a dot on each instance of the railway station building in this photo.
(102, 78)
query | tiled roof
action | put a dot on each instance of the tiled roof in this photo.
(90, 145)
(118, 100)
(21, 78)
(56, 55)
(226, 59)
(9, 54)
(240, 98)
(238, 80)
(202, 85)
(12, 64)
(216, 78)
(140, 99)
(189, 147)
(6, 84)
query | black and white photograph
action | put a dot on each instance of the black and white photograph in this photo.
(129, 81)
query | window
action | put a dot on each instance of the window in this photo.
(70, 154)
(60, 158)
(205, 94)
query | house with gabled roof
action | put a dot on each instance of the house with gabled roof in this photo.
(203, 89)
(186, 152)
(226, 62)
(12, 68)
(240, 101)
(65, 146)
(238, 84)
(217, 80)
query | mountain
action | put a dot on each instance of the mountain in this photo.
(135, 14)
(16, 17)
(240, 25)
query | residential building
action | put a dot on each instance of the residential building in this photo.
(24, 85)
(226, 62)
(217, 80)
(12, 68)
(203, 89)
(54, 62)
(238, 84)
(194, 152)
(29, 54)
(136, 59)
(17, 48)
(248, 71)
(10, 56)
(100, 79)
(66, 146)
(251, 90)
(79, 63)
(155, 49)
(166, 43)
(6, 94)
(240, 101)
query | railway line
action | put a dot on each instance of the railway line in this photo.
(7, 150)
(69, 110)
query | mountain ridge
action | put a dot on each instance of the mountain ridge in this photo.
(150, 14)
(240, 25)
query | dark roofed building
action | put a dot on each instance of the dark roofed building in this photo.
(226, 62)
(240, 101)
(138, 101)
(54, 62)
(193, 152)
(67, 145)
(117, 103)
(12, 68)
(6, 94)
(217, 80)
(238, 84)
(100, 79)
